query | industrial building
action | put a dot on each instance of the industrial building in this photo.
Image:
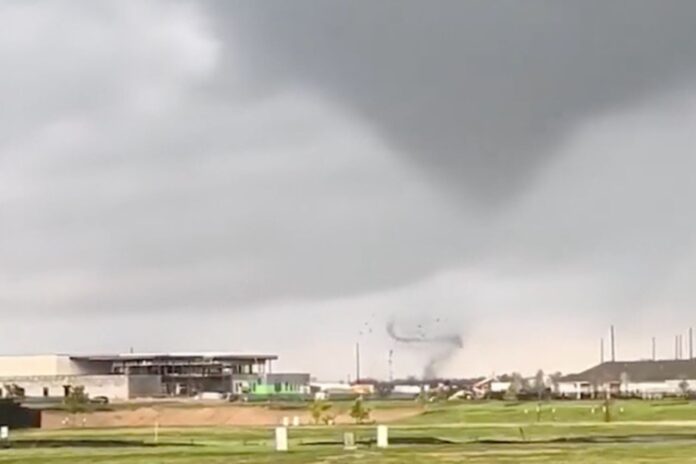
(134, 375)
(643, 379)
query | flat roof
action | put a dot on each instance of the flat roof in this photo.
(226, 356)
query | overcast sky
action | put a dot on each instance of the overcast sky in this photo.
(290, 176)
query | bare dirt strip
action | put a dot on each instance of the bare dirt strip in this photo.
(172, 416)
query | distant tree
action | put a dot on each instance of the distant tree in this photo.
(383, 389)
(555, 379)
(511, 393)
(684, 388)
(77, 400)
(539, 384)
(422, 397)
(359, 412)
(517, 384)
(624, 383)
(318, 410)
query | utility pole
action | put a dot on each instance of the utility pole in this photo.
(653, 349)
(391, 365)
(613, 345)
(357, 362)
(691, 343)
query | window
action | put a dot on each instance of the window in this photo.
(278, 387)
(45, 392)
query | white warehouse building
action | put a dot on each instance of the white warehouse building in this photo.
(644, 379)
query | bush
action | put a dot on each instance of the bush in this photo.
(359, 412)
(319, 411)
(77, 400)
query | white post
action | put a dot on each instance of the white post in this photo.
(349, 441)
(281, 439)
(286, 421)
(382, 436)
(295, 421)
(4, 433)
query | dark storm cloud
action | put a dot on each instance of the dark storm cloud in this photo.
(476, 93)
(218, 156)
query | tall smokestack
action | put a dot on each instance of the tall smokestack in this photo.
(653, 349)
(691, 343)
(613, 345)
(676, 347)
(601, 350)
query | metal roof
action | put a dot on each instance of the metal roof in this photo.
(227, 356)
(637, 371)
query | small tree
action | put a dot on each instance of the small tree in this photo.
(607, 405)
(77, 400)
(684, 388)
(359, 412)
(318, 410)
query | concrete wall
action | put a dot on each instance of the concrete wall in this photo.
(50, 364)
(144, 386)
(36, 365)
(111, 386)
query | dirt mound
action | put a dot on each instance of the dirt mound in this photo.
(172, 416)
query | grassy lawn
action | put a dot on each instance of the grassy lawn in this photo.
(489, 432)
(557, 411)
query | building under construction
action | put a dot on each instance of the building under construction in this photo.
(132, 375)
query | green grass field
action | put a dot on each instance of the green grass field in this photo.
(488, 432)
